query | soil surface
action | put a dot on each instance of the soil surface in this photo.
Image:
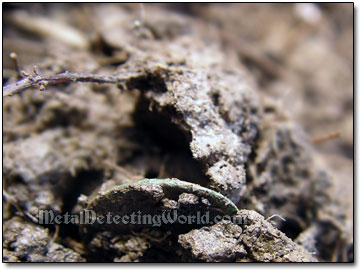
(241, 112)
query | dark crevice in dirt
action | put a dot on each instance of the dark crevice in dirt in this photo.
(159, 129)
(151, 174)
(249, 252)
(160, 253)
(69, 230)
(304, 210)
(109, 54)
(14, 180)
(215, 99)
(84, 183)
(326, 239)
(291, 228)
(147, 82)
(100, 46)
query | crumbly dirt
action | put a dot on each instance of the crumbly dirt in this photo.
(240, 100)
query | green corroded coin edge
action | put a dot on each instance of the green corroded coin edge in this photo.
(225, 203)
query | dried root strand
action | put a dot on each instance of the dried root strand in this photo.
(65, 77)
(330, 136)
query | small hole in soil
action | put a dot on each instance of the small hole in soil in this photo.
(100, 46)
(326, 240)
(215, 99)
(156, 130)
(147, 82)
(84, 183)
(151, 174)
(291, 228)
(160, 254)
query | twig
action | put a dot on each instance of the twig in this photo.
(139, 22)
(14, 58)
(330, 136)
(56, 233)
(14, 201)
(275, 215)
(65, 77)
